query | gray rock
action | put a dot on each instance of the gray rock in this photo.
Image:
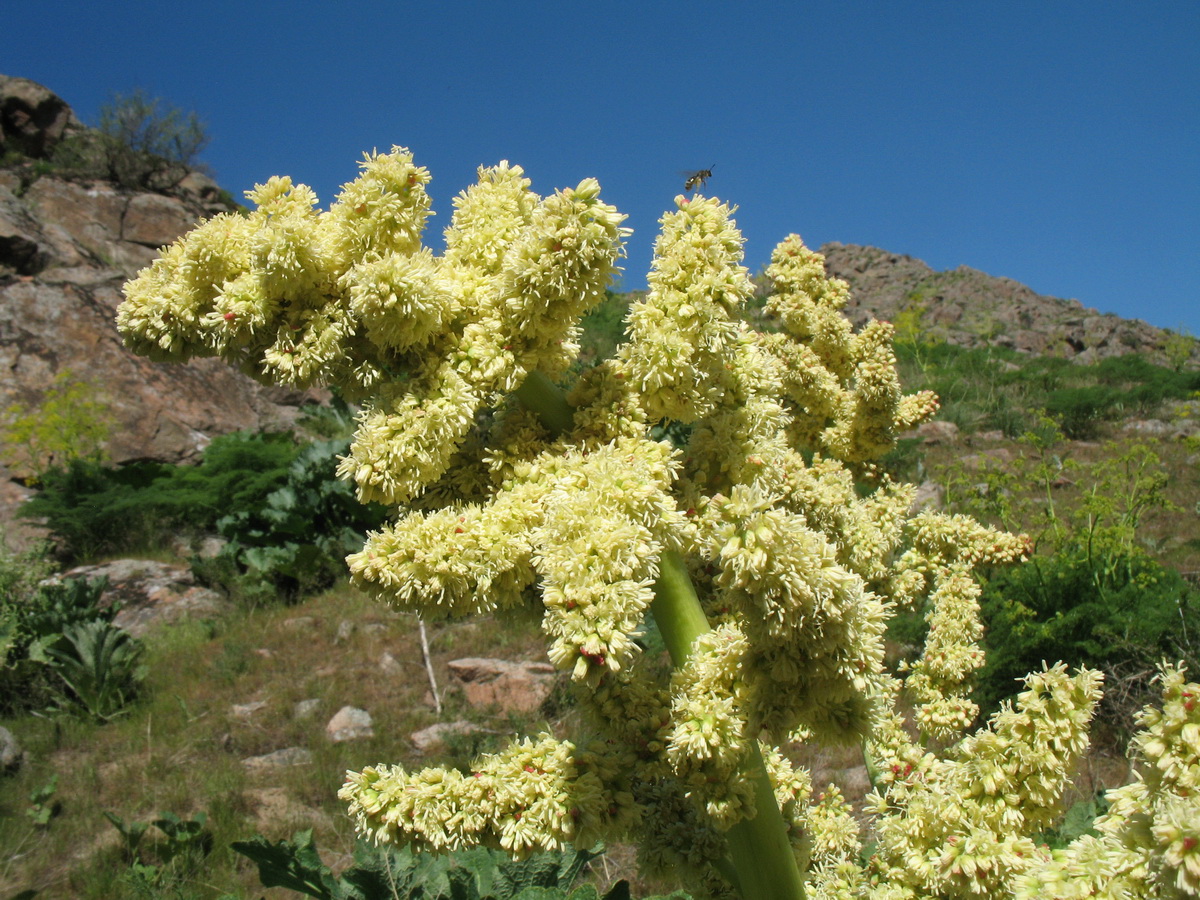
(433, 738)
(11, 754)
(247, 710)
(349, 724)
(938, 432)
(930, 495)
(1153, 427)
(290, 756)
(306, 709)
(151, 593)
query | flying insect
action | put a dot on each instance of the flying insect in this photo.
(697, 179)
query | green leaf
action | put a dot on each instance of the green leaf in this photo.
(293, 864)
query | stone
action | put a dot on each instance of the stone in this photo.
(247, 710)
(509, 686)
(938, 432)
(389, 664)
(23, 248)
(433, 738)
(11, 754)
(349, 724)
(279, 759)
(155, 220)
(930, 495)
(1153, 427)
(33, 119)
(151, 593)
(306, 709)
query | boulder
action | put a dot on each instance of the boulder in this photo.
(349, 724)
(33, 119)
(151, 592)
(509, 686)
(11, 754)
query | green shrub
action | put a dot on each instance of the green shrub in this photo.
(70, 423)
(297, 539)
(1121, 615)
(94, 509)
(141, 142)
(31, 623)
(995, 388)
(1079, 411)
(166, 866)
(100, 665)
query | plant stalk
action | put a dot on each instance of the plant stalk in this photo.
(764, 866)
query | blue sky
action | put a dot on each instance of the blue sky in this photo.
(1056, 143)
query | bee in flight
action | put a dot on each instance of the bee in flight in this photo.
(697, 179)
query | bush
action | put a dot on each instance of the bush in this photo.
(296, 540)
(69, 424)
(100, 665)
(94, 509)
(57, 634)
(1122, 618)
(387, 873)
(141, 142)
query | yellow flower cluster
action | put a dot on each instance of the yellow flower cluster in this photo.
(349, 297)
(1148, 842)
(539, 794)
(766, 501)
(961, 826)
(682, 334)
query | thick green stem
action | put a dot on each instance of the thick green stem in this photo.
(759, 847)
(764, 866)
(546, 400)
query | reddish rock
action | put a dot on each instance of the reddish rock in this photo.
(510, 686)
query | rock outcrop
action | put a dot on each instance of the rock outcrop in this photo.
(151, 592)
(970, 308)
(67, 245)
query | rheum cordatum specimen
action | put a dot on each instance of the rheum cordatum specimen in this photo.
(718, 481)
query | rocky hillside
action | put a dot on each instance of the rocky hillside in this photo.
(67, 245)
(971, 308)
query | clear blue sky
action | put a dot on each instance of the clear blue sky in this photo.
(1057, 143)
